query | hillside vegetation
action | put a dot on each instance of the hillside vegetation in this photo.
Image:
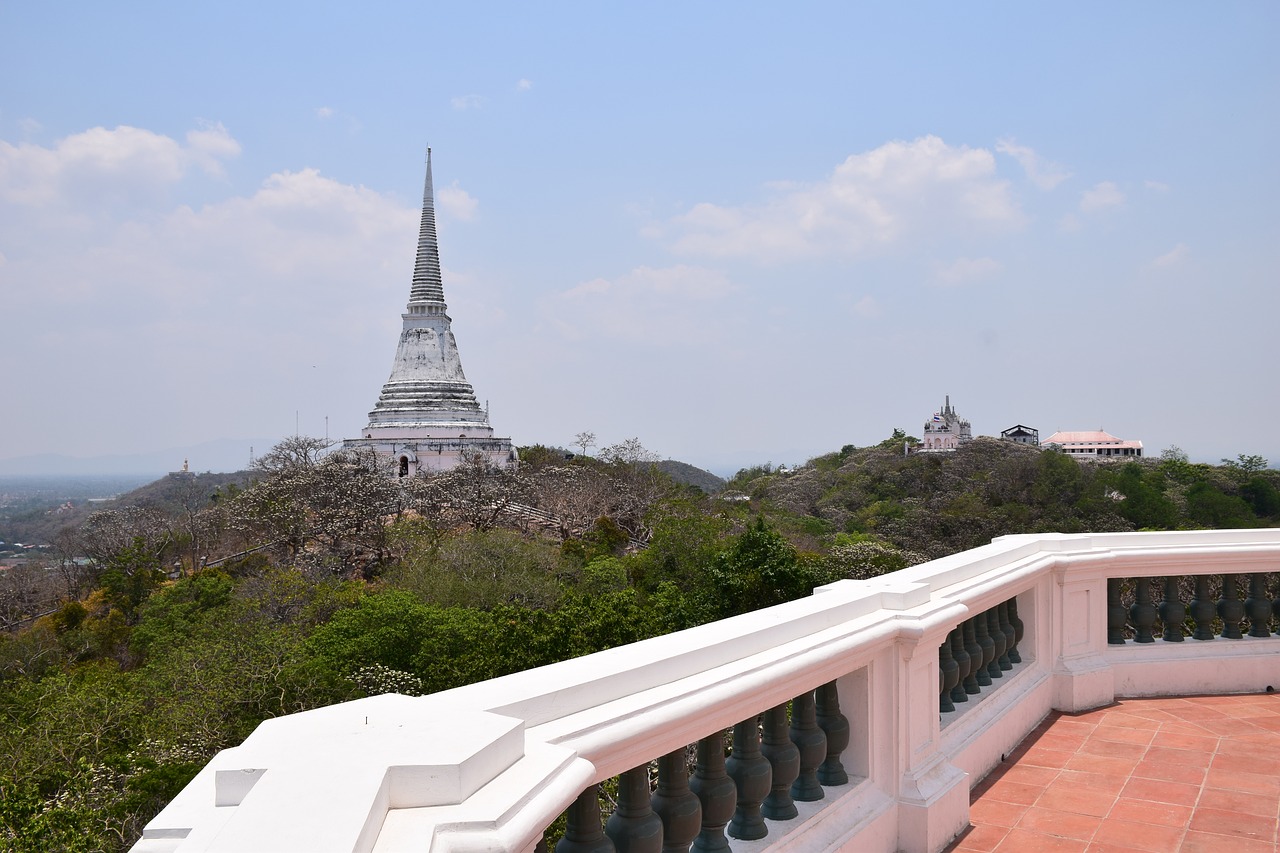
(186, 623)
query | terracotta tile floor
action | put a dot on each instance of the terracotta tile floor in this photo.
(1192, 774)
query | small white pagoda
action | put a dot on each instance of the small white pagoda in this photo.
(427, 418)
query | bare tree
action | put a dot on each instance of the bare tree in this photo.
(475, 494)
(584, 440)
(297, 452)
(108, 533)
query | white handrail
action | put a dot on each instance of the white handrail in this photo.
(489, 765)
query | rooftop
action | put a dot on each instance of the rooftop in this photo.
(1190, 774)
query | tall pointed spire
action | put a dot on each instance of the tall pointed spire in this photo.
(427, 415)
(427, 284)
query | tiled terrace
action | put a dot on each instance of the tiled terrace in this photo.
(1190, 774)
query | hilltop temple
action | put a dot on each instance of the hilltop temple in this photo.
(427, 418)
(945, 431)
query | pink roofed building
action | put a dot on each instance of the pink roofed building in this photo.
(1093, 444)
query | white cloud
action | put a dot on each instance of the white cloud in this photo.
(210, 145)
(29, 126)
(1156, 186)
(457, 202)
(876, 198)
(665, 306)
(524, 85)
(324, 112)
(272, 271)
(964, 270)
(1043, 174)
(1175, 257)
(867, 307)
(467, 102)
(1102, 196)
(108, 166)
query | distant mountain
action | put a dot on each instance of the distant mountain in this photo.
(683, 472)
(220, 455)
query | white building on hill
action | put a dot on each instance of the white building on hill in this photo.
(1093, 444)
(427, 417)
(945, 431)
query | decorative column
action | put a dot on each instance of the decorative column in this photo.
(812, 745)
(675, 804)
(948, 676)
(1172, 613)
(988, 647)
(1231, 609)
(996, 668)
(1143, 612)
(784, 764)
(1258, 606)
(1010, 636)
(583, 833)
(716, 794)
(1115, 613)
(963, 665)
(973, 678)
(836, 727)
(1019, 629)
(1202, 610)
(750, 771)
(633, 827)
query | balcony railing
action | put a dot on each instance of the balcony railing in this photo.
(860, 716)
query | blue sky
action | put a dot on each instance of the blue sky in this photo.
(739, 233)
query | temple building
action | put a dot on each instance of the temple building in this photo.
(1021, 434)
(945, 431)
(427, 418)
(1093, 444)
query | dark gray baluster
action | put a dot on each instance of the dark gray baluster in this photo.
(1115, 613)
(973, 680)
(1258, 606)
(633, 827)
(1010, 636)
(1275, 606)
(1172, 613)
(961, 657)
(1143, 612)
(750, 771)
(812, 744)
(1230, 609)
(995, 669)
(1202, 610)
(1019, 629)
(675, 804)
(541, 846)
(988, 647)
(716, 793)
(948, 676)
(583, 833)
(784, 764)
(836, 727)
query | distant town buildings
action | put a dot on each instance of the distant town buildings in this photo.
(1093, 444)
(945, 431)
(427, 417)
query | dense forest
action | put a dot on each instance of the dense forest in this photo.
(166, 627)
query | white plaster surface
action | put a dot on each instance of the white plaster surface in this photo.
(486, 767)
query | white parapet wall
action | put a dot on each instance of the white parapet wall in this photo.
(489, 766)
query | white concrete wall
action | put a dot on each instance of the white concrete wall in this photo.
(488, 766)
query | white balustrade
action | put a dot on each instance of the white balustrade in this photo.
(489, 766)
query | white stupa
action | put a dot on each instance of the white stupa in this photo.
(427, 417)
